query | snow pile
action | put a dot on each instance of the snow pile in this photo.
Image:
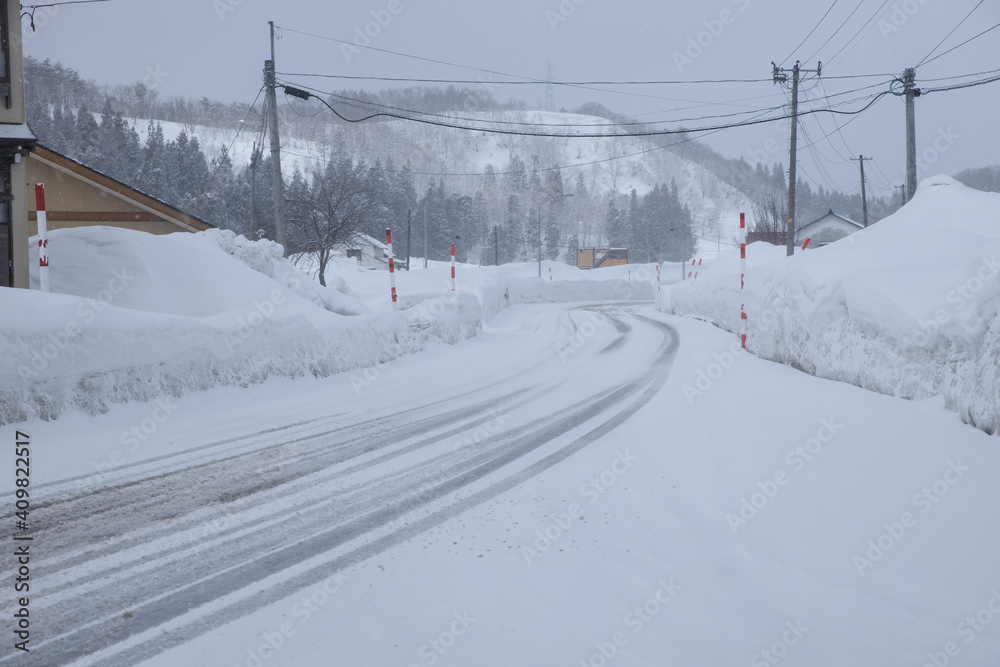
(133, 316)
(907, 307)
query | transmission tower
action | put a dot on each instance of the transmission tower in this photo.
(550, 97)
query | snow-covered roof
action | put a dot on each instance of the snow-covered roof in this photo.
(16, 131)
(835, 214)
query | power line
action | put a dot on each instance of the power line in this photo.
(374, 106)
(960, 86)
(836, 31)
(964, 19)
(480, 69)
(862, 32)
(585, 135)
(243, 122)
(542, 170)
(810, 33)
(962, 44)
(543, 82)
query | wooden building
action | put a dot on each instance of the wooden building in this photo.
(78, 196)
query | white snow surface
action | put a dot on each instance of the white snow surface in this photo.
(133, 316)
(907, 307)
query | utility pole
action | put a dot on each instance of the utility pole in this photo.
(910, 92)
(864, 199)
(425, 232)
(538, 218)
(496, 246)
(780, 75)
(408, 237)
(253, 188)
(277, 185)
(902, 194)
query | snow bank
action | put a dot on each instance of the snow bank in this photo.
(907, 307)
(133, 316)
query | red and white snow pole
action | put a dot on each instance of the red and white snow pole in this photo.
(658, 277)
(550, 273)
(806, 243)
(392, 265)
(695, 266)
(43, 238)
(452, 267)
(743, 272)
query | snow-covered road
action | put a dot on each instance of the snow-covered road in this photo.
(580, 484)
(290, 506)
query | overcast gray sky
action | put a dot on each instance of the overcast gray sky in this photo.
(216, 48)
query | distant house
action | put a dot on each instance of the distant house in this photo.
(16, 142)
(831, 227)
(595, 258)
(78, 196)
(370, 253)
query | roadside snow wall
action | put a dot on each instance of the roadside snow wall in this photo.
(907, 307)
(134, 316)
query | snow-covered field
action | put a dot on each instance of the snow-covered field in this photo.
(907, 307)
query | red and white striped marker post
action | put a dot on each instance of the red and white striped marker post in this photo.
(392, 265)
(657, 277)
(806, 243)
(43, 238)
(695, 265)
(743, 272)
(452, 267)
(550, 273)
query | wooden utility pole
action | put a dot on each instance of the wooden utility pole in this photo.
(253, 188)
(864, 199)
(780, 75)
(277, 185)
(408, 237)
(910, 92)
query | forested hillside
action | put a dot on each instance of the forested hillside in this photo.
(501, 196)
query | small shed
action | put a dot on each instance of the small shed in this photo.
(829, 228)
(370, 253)
(595, 258)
